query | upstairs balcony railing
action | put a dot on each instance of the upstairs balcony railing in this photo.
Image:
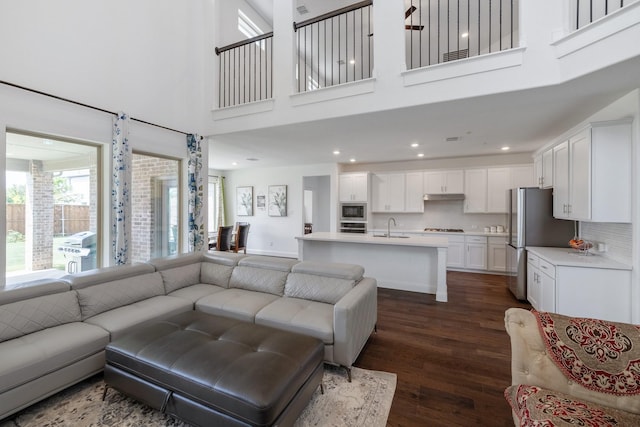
(440, 31)
(587, 11)
(245, 72)
(335, 48)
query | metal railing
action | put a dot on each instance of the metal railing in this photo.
(245, 71)
(587, 11)
(440, 31)
(335, 48)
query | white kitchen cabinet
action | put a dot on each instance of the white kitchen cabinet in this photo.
(563, 282)
(497, 256)
(521, 176)
(547, 169)
(414, 192)
(475, 252)
(444, 182)
(455, 251)
(537, 170)
(592, 174)
(498, 182)
(475, 190)
(388, 192)
(354, 187)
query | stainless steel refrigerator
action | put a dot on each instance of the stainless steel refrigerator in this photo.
(530, 222)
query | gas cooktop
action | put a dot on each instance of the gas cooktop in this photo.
(446, 230)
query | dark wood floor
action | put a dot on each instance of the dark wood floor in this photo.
(452, 359)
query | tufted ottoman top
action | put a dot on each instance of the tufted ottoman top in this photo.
(249, 372)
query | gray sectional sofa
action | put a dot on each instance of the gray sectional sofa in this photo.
(53, 333)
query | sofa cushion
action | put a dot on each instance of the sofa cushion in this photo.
(122, 319)
(268, 262)
(97, 276)
(330, 269)
(215, 274)
(178, 260)
(230, 259)
(317, 288)
(541, 407)
(258, 279)
(109, 295)
(31, 356)
(299, 315)
(179, 277)
(31, 289)
(35, 314)
(235, 303)
(194, 292)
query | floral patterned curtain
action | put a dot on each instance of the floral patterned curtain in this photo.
(196, 194)
(120, 190)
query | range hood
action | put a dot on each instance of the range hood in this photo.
(446, 196)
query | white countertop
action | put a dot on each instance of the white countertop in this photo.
(453, 233)
(571, 258)
(422, 241)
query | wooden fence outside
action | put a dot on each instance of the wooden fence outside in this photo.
(67, 219)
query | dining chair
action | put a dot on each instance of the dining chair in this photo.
(241, 238)
(224, 238)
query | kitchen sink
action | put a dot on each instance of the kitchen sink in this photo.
(392, 237)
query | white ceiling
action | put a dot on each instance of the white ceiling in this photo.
(524, 120)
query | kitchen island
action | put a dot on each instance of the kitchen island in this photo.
(409, 263)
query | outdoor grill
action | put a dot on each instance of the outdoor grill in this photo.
(80, 250)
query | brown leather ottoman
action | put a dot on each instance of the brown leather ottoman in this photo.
(209, 370)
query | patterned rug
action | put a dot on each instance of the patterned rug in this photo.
(599, 355)
(365, 401)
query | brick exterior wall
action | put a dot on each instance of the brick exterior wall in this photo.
(147, 171)
(39, 219)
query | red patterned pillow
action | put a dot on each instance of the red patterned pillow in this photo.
(535, 406)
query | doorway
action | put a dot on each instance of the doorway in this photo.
(317, 203)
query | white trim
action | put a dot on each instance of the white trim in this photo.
(465, 67)
(618, 21)
(329, 93)
(254, 107)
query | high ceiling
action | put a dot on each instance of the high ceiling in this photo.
(524, 120)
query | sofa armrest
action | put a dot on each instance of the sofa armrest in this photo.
(354, 318)
(531, 365)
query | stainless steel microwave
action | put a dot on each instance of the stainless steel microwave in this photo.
(353, 211)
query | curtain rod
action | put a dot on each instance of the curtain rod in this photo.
(87, 106)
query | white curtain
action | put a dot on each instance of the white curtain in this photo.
(196, 194)
(120, 190)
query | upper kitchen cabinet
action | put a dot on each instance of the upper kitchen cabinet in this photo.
(486, 189)
(543, 169)
(475, 190)
(414, 192)
(592, 174)
(388, 192)
(444, 182)
(354, 187)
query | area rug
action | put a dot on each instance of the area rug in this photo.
(365, 401)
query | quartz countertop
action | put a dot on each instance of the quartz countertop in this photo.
(571, 258)
(426, 233)
(422, 241)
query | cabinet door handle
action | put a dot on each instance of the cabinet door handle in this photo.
(569, 208)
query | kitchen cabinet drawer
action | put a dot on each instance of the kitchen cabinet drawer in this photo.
(476, 239)
(547, 268)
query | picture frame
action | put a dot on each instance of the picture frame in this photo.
(244, 201)
(261, 202)
(277, 200)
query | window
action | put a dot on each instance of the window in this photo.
(155, 201)
(52, 207)
(213, 220)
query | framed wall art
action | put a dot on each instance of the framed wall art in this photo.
(244, 201)
(277, 200)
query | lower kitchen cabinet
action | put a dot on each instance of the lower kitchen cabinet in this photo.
(497, 257)
(455, 251)
(475, 252)
(563, 282)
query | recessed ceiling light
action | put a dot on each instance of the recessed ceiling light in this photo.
(352, 160)
(353, 61)
(420, 154)
(234, 163)
(464, 35)
(414, 145)
(336, 152)
(505, 148)
(47, 142)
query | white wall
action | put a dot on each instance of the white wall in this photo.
(276, 235)
(143, 57)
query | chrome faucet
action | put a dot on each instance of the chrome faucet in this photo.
(389, 225)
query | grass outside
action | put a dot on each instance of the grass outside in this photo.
(15, 255)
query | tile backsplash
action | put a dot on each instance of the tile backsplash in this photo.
(617, 237)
